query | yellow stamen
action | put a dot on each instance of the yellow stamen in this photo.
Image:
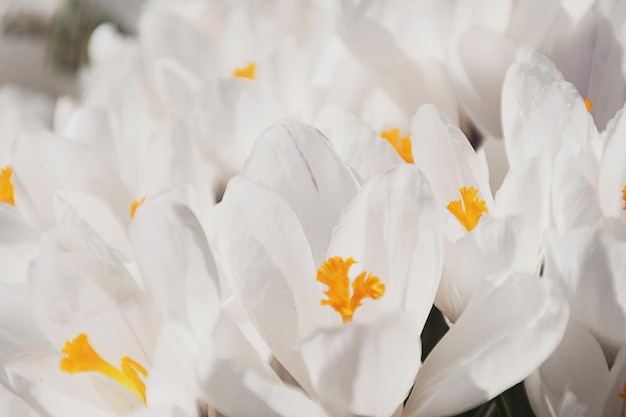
(469, 209)
(245, 72)
(588, 104)
(7, 192)
(79, 356)
(134, 205)
(624, 197)
(622, 394)
(401, 145)
(334, 274)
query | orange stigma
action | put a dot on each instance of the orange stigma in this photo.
(7, 192)
(245, 72)
(80, 356)
(334, 274)
(624, 197)
(588, 104)
(402, 145)
(135, 205)
(469, 208)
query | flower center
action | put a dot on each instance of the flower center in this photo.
(134, 205)
(401, 145)
(469, 208)
(624, 197)
(6, 188)
(588, 104)
(245, 72)
(79, 356)
(334, 274)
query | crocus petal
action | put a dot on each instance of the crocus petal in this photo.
(172, 379)
(440, 146)
(478, 74)
(362, 148)
(44, 163)
(262, 251)
(540, 111)
(464, 368)
(38, 379)
(613, 403)
(12, 405)
(364, 369)
(18, 245)
(240, 392)
(87, 211)
(574, 192)
(18, 329)
(77, 285)
(299, 163)
(612, 175)
(578, 367)
(591, 58)
(176, 263)
(373, 231)
(496, 245)
(589, 265)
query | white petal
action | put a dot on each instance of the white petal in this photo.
(447, 158)
(589, 265)
(11, 405)
(577, 367)
(18, 245)
(18, 330)
(613, 403)
(299, 163)
(591, 58)
(239, 392)
(612, 175)
(77, 286)
(176, 263)
(513, 323)
(478, 69)
(44, 163)
(574, 193)
(171, 378)
(89, 212)
(261, 250)
(373, 231)
(364, 369)
(39, 380)
(494, 246)
(362, 148)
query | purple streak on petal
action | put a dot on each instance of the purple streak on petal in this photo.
(308, 167)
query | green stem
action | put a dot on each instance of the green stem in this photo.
(504, 405)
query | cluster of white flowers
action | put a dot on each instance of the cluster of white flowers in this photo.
(250, 208)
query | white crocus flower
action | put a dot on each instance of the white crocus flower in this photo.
(482, 37)
(553, 147)
(587, 372)
(477, 244)
(82, 334)
(299, 210)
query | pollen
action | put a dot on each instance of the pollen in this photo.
(469, 208)
(588, 104)
(624, 196)
(79, 356)
(245, 72)
(7, 192)
(135, 205)
(402, 145)
(334, 274)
